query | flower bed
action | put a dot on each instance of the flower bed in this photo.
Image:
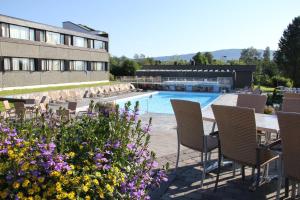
(103, 155)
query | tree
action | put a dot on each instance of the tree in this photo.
(288, 53)
(267, 54)
(250, 56)
(123, 66)
(200, 59)
(209, 57)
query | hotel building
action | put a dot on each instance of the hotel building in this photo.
(34, 54)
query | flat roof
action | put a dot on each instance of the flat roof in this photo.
(37, 25)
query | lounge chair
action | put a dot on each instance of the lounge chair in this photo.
(9, 112)
(190, 132)
(238, 140)
(21, 111)
(63, 114)
(43, 99)
(289, 124)
(258, 102)
(291, 105)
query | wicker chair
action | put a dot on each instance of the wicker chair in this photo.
(72, 107)
(190, 132)
(291, 105)
(289, 124)
(258, 102)
(291, 95)
(9, 112)
(238, 139)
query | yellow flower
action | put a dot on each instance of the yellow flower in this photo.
(98, 174)
(71, 154)
(11, 153)
(25, 166)
(58, 187)
(71, 195)
(3, 194)
(29, 198)
(20, 195)
(87, 197)
(55, 173)
(37, 197)
(109, 188)
(41, 179)
(101, 194)
(16, 185)
(85, 188)
(95, 181)
(30, 191)
(86, 177)
(25, 183)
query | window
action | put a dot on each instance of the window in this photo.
(40, 36)
(99, 44)
(68, 40)
(79, 42)
(90, 43)
(22, 64)
(53, 38)
(4, 30)
(52, 65)
(7, 65)
(62, 39)
(31, 35)
(78, 65)
(98, 66)
(19, 32)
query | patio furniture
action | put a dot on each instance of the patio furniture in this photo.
(63, 114)
(190, 132)
(21, 110)
(8, 110)
(291, 95)
(291, 105)
(258, 102)
(257, 91)
(72, 107)
(289, 124)
(43, 99)
(42, 107)
(237, 140)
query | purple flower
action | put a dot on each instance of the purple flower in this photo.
(131, 146)
(117, 144)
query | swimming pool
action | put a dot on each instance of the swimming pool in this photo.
(159, 102)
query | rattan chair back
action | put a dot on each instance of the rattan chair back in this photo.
(291, 105)
(189, 123)
(289, 124)
(258, 102)
(237, 133)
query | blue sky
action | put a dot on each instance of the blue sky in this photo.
(168, 27)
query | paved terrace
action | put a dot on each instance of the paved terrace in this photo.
(186, 185)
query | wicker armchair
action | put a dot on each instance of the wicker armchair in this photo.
(291, 95)
(289, 124)
(258, 102)
(190, 132)
(291, 105)
(238, 139)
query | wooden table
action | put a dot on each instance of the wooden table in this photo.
(266, 123)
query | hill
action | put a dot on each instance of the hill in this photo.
(223, 54)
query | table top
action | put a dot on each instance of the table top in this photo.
(264, 122)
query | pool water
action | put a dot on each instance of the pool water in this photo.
(159, 102)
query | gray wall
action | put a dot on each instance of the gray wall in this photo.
(33, 49)
(24, 78)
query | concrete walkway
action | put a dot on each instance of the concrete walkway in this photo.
(186, 185)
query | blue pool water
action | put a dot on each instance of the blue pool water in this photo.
(159, 102)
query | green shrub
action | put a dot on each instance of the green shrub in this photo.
(281, 81)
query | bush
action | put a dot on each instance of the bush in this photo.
(100, 156)
(281, 81)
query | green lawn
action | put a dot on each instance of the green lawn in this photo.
(32, 90)
(265, 88)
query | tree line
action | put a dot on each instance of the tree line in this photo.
(283, 69)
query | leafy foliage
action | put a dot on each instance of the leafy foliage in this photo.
(288, 55)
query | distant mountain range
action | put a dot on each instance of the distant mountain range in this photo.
(223, 54)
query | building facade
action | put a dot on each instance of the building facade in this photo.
(37, 54)
(208, 76)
